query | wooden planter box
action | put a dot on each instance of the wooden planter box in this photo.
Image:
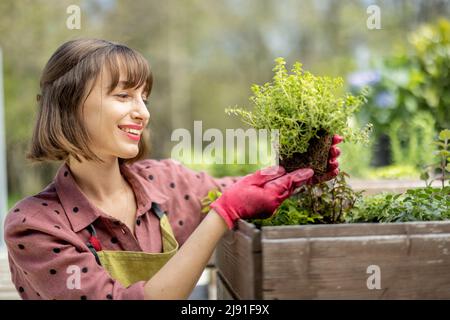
(332, 261)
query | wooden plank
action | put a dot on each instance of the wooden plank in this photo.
(355, 229)
(250, 230)
(238, 258)
(224, 292)
(412, 267)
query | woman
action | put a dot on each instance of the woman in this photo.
(112, 226)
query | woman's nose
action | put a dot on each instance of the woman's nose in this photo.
(141, 112)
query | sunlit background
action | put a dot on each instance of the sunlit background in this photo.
(205, 55)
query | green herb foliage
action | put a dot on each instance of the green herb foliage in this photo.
(443, 163)
(300, 105)
(212, 196)
(423, 204)
(320, 203)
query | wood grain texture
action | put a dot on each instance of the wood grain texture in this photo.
(238, 259)
(412, 267)
(331, 261)
(355, 229)
(223, 290)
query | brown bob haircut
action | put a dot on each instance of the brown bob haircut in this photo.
(66, 82)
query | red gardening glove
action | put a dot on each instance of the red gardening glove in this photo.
(333, 164)
(258, 195)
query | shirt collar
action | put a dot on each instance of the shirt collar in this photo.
(81, 212)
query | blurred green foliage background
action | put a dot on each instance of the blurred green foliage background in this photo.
(206, 54)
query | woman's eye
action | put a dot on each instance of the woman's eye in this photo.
(122, 95)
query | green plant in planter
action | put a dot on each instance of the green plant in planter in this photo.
(327, 202)
(307, 110)
(443, 164)
(213, 195)
(422, 204)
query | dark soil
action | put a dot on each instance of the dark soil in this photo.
(316, 157)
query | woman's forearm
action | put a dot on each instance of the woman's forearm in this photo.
(178, 277)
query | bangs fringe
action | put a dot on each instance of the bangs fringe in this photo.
(132, 64)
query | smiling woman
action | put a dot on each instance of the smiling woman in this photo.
(110, 225)
(59, 132)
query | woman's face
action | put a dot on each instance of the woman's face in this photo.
(104, 113)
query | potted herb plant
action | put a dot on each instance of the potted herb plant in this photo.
(323, 243)
(307, 110)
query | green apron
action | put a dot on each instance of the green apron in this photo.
(129, 267)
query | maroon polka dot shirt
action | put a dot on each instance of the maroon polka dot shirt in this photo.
(46, 233)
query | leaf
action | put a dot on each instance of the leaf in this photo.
(444, 153)
(206, 210)
(444, 135)
(424, 176)
(423, 196)
(438, 143)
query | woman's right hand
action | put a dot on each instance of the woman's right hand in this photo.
(258, 195)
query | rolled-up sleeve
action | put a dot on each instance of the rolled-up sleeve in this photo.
(200, 181)
(185, 188)
(48, 262)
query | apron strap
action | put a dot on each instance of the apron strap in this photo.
(155, 208)
(89, 244)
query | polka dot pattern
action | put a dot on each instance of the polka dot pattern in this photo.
(66, 210)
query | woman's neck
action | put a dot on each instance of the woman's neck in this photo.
(98, 181)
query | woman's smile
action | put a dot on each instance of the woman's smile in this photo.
(132, 133)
